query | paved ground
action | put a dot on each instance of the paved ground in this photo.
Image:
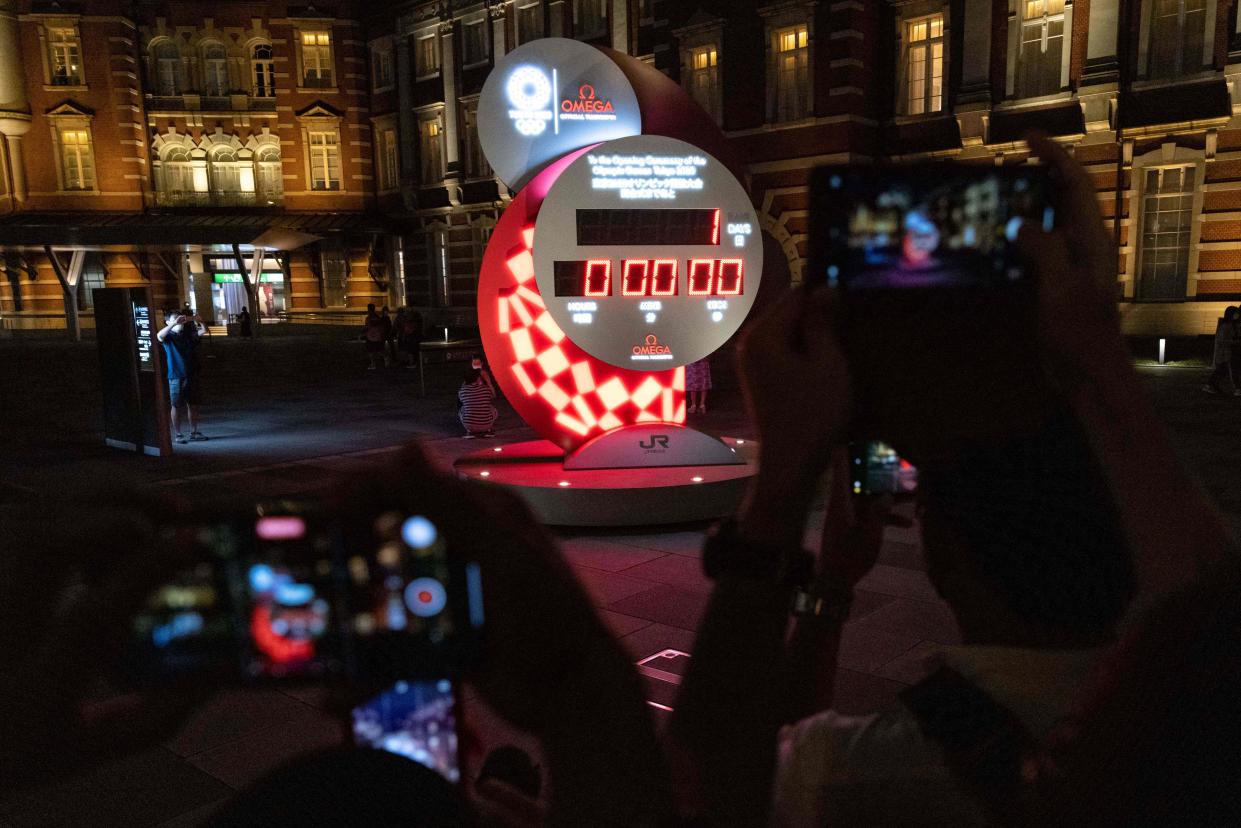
(288, 415)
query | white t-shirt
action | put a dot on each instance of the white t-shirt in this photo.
(880, 769)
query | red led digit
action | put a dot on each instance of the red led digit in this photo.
(598, 278)
(701, 275)
(728, 277)
(715, 229)
(634, 278)
(664, 277)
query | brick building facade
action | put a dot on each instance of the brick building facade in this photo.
(1143, 92)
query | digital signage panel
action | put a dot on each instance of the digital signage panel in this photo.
(647, 252)
(547, 98)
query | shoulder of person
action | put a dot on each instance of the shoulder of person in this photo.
(838, 747)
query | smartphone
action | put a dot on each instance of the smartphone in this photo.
(416, 611)
(263, 600)
(876, 468)
(415, 719)
(937, 310)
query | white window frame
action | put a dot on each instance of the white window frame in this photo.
(65, 40)
(334, 257)
(383, 68)
(387, 157)
(1146, 33)
(317, 58)
(262, 71)
(181, 168)
(322, 144)
(440, 262)
(83, 163)
(421, 69)
(693, 75)
(168, 70)
(268, 171)
(215, 80)
(431, 171)
(484, 41)
(802, 76)
(1165, 156)
(1016, 22)
(931, 103)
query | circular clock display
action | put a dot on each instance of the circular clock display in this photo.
(647, 253)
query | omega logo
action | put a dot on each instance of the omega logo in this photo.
(586, 101)
(651, 345)
(660, 440)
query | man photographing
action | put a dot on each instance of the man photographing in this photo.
(181, 338)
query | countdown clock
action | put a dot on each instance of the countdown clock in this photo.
(647, 252)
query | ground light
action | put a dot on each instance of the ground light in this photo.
(1163, 351)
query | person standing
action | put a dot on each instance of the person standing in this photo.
(243, 319)
(1223, 361)
(181, 337)
(373, 333)
(389, 337)
(477, 402)
(697, 384)
(409, 335)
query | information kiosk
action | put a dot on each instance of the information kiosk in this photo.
(622, 258)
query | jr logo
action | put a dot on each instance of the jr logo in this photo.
(660, 440)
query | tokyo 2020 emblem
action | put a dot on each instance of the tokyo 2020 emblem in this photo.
(529, 91)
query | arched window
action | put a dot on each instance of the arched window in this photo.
(177, 172)
(225, 172)
(263, 71)
(167, 59)
(269, 174)
(215, 70)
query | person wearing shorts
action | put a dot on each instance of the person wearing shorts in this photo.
(180, 338)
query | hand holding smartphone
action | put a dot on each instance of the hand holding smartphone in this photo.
(937, 305)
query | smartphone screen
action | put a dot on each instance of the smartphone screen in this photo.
(877, 469)
(937, 308)
(288, 594)
(415, 719)
(416, 609)
(185, 626)
(946, 226)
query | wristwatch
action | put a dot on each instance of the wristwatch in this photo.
(728, 552)
(831, 603)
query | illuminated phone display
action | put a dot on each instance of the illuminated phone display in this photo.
(647, 240)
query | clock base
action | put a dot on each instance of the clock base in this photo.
(637, 496)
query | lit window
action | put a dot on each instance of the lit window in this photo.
(316, 59)
(473, 42)
(225, 172)
(389, 167)
(703, 79)
(324, 161)
(381, 64)
(476, 165)
(1040, 48)
(64, 57)
(168, 68)
(215, 70)
(590, 19)
(1167, 223)
(924, 67)
(430, 143)
(94, 276)
(77, 159)
(427, 56)
(437, 250)
(529, 22)
(792, 99)
(1177, 37)
(335, 278)
(269, 174)
(263, 71)
(176, 178)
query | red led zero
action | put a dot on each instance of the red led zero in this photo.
(598, 277)
(728, 277)
(635, 281)
(701, 275)
(664, 277)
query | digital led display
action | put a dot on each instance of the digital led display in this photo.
(647, 252)
(668, 226)
(650, 277)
